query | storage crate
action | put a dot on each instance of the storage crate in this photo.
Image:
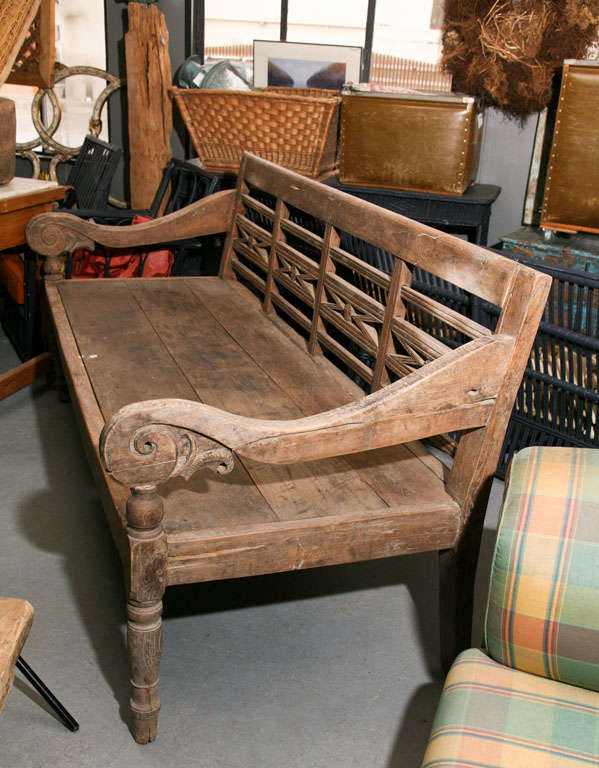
(420, 141)
(293, 127)
(570, 199)
(579, 253)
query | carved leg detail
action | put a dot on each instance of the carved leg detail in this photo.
(144, 641)
(147, 580)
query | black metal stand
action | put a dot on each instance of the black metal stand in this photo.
(47, 695)
(468, 213)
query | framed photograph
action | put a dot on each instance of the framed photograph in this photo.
(305, 65)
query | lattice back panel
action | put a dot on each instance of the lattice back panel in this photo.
(374, 323)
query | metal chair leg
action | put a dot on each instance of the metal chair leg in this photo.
(47, 694)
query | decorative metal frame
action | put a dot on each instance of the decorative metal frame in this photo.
(45, 140)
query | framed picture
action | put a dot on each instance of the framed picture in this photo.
(305, 65)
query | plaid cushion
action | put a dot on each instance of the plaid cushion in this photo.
(543, 609)
(491, 716)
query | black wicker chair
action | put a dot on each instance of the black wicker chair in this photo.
(88, 185)
(91, 175)
(182, 183)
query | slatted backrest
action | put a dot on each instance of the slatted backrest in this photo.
(291, 239)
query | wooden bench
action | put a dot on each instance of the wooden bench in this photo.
(255, 379)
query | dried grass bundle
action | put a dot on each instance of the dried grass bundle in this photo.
(507, 51)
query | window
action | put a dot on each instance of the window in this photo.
(231, 26)
(401, 39)
(335, 22)
(403, 28)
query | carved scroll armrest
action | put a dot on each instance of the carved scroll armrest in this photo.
(149, 442)
(55, 234)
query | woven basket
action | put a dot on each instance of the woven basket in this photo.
(293, 127)
(16, 17)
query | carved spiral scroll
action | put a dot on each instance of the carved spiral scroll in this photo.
(153, 453)
(51, 234)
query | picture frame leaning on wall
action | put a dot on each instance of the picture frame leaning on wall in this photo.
(305, 65)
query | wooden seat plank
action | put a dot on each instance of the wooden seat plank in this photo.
(225, 376)
(124, 357)
(343, 386)
(126, 361)
(395, 474)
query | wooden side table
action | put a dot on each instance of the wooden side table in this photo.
(16, 617)
(20, 201)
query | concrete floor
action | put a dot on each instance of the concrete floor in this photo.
(331, 668)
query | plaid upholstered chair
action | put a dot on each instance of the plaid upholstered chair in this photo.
(532, 699)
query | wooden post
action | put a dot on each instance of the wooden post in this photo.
(150, 115)
(331, 239)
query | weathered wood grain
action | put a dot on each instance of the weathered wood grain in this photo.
(24, 374)
(464, 264)
(400, 277)
(150, 108)
(115, 340)
(88, 415)
(294, 489)
(296, 544)
(315, 385)
(146, 581)
(61, 233)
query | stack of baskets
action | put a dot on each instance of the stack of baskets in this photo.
(293, 127)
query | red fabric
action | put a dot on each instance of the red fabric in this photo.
(91, 264)
(12, 275)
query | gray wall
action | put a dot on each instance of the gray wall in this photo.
(506, 151)
(505, 161)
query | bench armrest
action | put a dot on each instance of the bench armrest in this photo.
(57, 234)
(149, 442)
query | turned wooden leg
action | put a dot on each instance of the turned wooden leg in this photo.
(144, 641)
(147, 577)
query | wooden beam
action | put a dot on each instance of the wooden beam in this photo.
(17, 378)
(150, 113)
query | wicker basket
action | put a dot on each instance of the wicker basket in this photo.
(294, 127)
(15, 19)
